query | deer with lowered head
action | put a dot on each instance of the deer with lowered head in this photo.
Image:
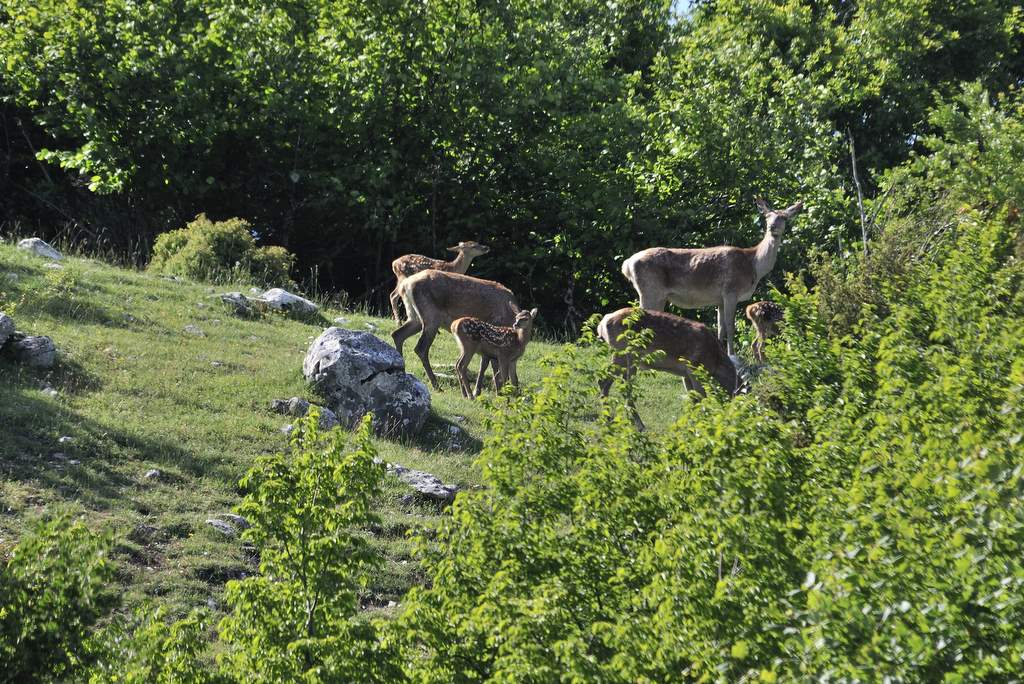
(712, 276)
(685, 344)
(765, 317)
(410, 264)
(434, 299)
(505, 345)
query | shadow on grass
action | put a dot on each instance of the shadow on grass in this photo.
(90, 467)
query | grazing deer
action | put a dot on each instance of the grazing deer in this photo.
(502, 344)
(685, 343)
(433, 299)
(764, 316)
(713, 276)
(410, 264)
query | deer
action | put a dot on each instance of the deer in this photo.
(685, 344)
(410, 264)
(505, 345)
(764, 316)
(719, 276)
(434, 299)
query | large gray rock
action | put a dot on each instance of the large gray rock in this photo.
(32, 350)
(282, 300)
(357, 373)
(40, 248)
(6, 328)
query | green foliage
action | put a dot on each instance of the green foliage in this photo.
(296, 620)
(53, 588)
(220, 251)
(568, 134)
(150, 650)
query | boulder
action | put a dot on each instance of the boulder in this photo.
(6, 328)
(40, 248)
(357, 373)
(37, 351)
(282, 300)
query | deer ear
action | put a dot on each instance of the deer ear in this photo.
(792, 211)
(762, 206)
(454, 249)
(515, 309)
(533, 313)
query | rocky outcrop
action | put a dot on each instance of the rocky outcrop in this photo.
(357, 374)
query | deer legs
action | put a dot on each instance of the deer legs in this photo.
(727, 322)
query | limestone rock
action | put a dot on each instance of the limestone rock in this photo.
(6, 328)
(357, 373)
(282, 300)
(424, 483)
(36, 351)
(40, 248)
(299, 407)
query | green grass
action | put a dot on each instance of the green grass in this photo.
(136, 392)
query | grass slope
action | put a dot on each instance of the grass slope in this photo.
(136, 392)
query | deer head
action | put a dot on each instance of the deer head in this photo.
(775, 220)
(470, 248)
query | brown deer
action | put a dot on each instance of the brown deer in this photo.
(713, 276)
(502, 344)
(433, 299)
(765, 317)
(405, 266)
(685, 344)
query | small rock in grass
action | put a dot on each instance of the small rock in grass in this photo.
(236, 520)
(65, 440)
(53, 266)
(341, 320)
(287, 429)
(282, 300)
(36, 351)
(11, 277)
(194, 330)
(40, 248)
(74, 461)
(152, 474)
(6, 328)
(225, 528)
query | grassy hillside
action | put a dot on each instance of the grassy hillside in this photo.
(135, 391)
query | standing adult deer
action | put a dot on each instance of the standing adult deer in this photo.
(712, 276)
(765, 317)
(502, 344)
(410, 264)
(685, 344)
(433, 299)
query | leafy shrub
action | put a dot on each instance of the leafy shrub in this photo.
(856, 517)
(149, 650)
(296, 620)
(220, 251)
(52, 591)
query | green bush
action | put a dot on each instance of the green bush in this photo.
(220, 251)
(857, 517)
(52, 591)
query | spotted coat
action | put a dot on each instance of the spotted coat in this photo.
(498, 336)
(414, 263)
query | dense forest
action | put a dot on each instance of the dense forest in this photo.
(565, 133)
(855, 516)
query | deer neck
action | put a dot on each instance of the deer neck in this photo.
(523, 336)
(460, 264)
(765, 254)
